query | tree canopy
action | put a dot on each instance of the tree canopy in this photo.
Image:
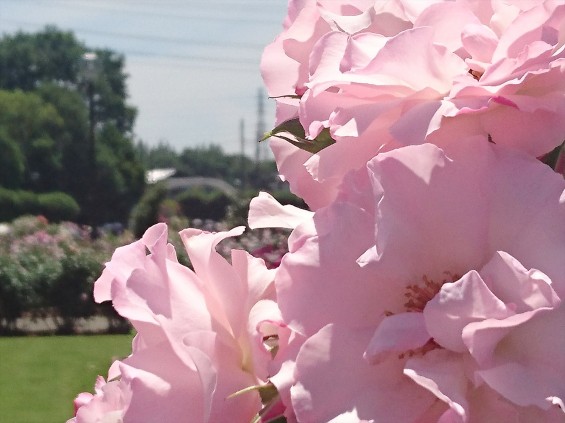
(28, 60)
(64, 131)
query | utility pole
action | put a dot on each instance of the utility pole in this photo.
(260, 146)
(90, 70)
(243, 158)
(90, 73)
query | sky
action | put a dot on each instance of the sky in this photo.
(193, 65)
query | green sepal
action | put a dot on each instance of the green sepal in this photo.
(244, 391)
(279, 419)
(269, 397)
(267, 392)
(293, 128)
(551, 158)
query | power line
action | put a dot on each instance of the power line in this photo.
(77, 4)
(218, 63)
(198, 59)
(183, 3)
(154, 38)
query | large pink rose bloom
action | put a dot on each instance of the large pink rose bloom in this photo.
(286, 69)
(445, 70)
(200, 334)
(430, 291)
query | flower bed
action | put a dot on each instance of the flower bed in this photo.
(47, 273)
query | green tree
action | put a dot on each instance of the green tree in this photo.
(12, 165)
(110, 92)
(119, 180)
(29, 60)
(63, 131)
(74, 139)
(160, 156)
(35, 127)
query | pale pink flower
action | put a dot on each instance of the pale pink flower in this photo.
(430, 291)
(266, 212)
(106, 406)
(515, 52)
(285, 62)
(286, 69)
(200, 334)
(396, 75)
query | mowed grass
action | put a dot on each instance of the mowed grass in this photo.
(41, 375)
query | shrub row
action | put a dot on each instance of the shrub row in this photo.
(55, 206)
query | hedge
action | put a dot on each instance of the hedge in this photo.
(55, 206)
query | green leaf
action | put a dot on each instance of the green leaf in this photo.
(298, 97)
(297, 136)
(291, 126)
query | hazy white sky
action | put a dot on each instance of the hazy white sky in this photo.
(193, 65)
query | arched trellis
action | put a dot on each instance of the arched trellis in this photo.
(182, 183)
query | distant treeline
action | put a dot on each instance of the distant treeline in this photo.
(66, 130)
(210, 161)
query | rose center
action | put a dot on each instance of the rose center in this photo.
(418, 295)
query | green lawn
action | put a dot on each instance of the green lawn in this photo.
(40, 376)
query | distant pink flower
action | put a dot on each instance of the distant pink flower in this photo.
(200, 334)
(431, 290)
(383, 76)
(42, 220)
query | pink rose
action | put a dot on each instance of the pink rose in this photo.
(430, 290)
(104, 407)
(443, 71)
(285, 67)
(202, 335)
